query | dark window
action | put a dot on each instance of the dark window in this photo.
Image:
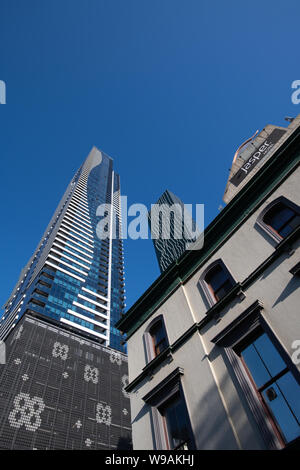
(176, 423)
(159, 337)
(275, 385)
(219, 281)
(282, 219)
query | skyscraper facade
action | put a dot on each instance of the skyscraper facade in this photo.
(63, 377)
(171, 228)
(76, 276)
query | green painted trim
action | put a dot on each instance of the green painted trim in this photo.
(274, 171)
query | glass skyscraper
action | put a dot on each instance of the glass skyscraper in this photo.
(174, 220)
(63, 370)
(74, 277)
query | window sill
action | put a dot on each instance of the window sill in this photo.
(286, 243)
(235, 291)
(149, 368)
(295, 271)
(154, 363)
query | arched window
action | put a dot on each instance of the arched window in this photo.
(279, 218)
(156, 339)
(158, 336)
(216, 281)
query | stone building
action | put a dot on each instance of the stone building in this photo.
(214, 343)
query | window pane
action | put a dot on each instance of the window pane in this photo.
(216, 277)
(172, 427)
(255, 365)
(287, 423)
(293, 223)
(279, 216)
(181, 421)
(285, 231)
(159, 334)
(291, 390)
(159, 337)
(226, 287)
(269, 354)
(161, 346)
(177, 423)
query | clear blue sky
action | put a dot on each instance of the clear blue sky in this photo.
(168, 88)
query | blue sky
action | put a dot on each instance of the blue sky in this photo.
(168, 88)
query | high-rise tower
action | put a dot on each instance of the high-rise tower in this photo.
(75, 278)
(62, 382)
(171, 228)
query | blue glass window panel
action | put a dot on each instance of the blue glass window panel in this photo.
(281, 216)
(217, 277)
(256, 367)
(291, 390)
(286, 231)
(284, 417)
(270, 355)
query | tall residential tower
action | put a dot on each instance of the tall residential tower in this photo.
(62, 385)
(74, 277)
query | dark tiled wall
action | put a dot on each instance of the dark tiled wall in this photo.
(60, 391)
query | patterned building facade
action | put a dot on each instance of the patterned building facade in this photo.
(62, 383)
(59, 390)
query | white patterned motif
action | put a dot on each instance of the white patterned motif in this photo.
(60, 350)
(91, 374)
(115, 357)
(25, 377)
(18, 333)
(125, 412)
(88, 442)
(78, 424)
(125, 382)
(65, 375)
(26, 412)
(17, 361)
(103, 414)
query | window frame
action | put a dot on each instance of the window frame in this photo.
(157, 399)
(150, 346)
(272, 232)
(207, 288)
(157, 344)
(162, 411)
(260, 389)
(232, 340)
